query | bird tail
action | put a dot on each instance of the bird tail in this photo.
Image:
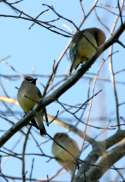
(75, 64)
(71, 68)
(39, 121)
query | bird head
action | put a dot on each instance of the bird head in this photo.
(30, 79)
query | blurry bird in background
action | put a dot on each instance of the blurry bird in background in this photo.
(68, 154)
(84, 45)
(29, 95)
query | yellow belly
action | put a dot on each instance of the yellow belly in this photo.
(28, 97)
(87, 47)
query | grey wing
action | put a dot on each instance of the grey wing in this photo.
(73, 51)
(39, 93)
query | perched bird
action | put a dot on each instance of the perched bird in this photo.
(65, 151)
(84, 45)
(29, 95)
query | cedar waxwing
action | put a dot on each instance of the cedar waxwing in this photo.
(65, 158)
(84, 45)
(29, 95)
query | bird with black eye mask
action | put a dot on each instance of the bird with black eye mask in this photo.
(29, 95)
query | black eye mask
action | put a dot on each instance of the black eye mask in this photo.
(31, 80)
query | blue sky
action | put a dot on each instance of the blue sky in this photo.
(33, 51)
